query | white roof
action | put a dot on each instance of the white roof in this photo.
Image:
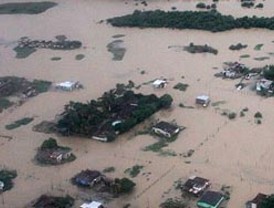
(93, 204)
(159, 81)
(67, 84)
(202, 97)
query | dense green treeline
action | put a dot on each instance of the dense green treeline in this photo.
(202, 20)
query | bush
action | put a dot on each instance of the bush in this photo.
(49, 144)
(232, 115)
(258, 115)
(126, 185)
(6, 177)
(173, 203)
(201, 5)
(166, 101)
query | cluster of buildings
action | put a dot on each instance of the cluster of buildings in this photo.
(25, 42)
(199, 187)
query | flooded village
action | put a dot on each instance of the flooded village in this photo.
(136, 104)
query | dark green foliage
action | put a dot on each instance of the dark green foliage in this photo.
(181, 86)
(109, 170)
(120, 104)
(258, 115)
(201, 5)
(6, 177)
(134, 171)
(247, 4)
(166, 101)
(23, 52)
(173, 203)
(238, 46)
(41, 86)
(5, 103)
(232, 115)
(49, 144)
(260, 5)
(269, 73)
(79, 57)
(54, 202)
(268, 202)
(202, 20)
(191, 48)
(125, 185)
(18, 123)
(26, 8)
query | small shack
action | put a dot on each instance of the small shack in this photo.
(210, 199)
(257, 201)
(92, 204)
(196, 185)
(159, 83)
(68, 86)
(203, 100)
(87, 178)
(166, 129)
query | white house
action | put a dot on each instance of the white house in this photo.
(67, 85)
(203, 100)
(159, 83)
(92, 204)
(166, 129)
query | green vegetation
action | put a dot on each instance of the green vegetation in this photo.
(260, 5)
(258, 47)
(56, 58)
(26, 7)
(134, 171)
(123, 186)
(41, 86)
(54, 201)
(49, 148)
(268, 72)
(6, 177)
(118, 110)
(117, 50)
(5, 103)
(247, 4)
(258, 115)
(217, 103)
(202, 20)
(23, 52)
(261, 58)
(238, 46)
(109, 169)
(49, 144)
(173, 203)
(232, 115)
(180, 86)
(192, 48)
(156, 147)
(245, 56)
(79, 57)
(201, 5)
(268, 202)
(18, 123)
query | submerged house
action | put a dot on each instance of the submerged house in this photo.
(87, 178)
(92, 204)
(166, 129)
(203, 100)
(54, 156)
(210, 199)
(196, 185)
(68, 86)
(159, 83)
(265, 86)
(257, 201)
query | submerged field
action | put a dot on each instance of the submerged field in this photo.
(232, 152)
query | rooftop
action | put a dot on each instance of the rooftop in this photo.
(211, 198)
